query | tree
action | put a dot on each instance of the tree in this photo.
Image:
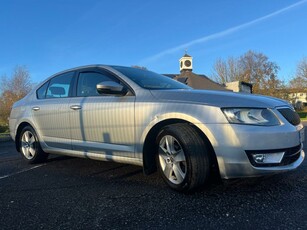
(251, 67)
(301, 70)
(258, 70)
(299, 82)
(226, 71)
(13, 89)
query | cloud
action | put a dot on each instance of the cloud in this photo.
(220, 34)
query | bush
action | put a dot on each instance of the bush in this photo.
(302, 114)
(4, 128)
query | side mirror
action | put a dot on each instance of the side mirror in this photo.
(110, 87)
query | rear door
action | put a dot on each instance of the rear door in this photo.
(51, 111)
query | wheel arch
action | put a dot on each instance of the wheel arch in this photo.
(149, 147)
(18, 132)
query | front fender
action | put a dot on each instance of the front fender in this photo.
(172, 117)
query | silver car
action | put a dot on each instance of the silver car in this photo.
(134, 116)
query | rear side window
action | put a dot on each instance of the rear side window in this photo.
(88, 81)
(60, 86)
(41, 92)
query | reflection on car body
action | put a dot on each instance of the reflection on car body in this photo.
(135, 116)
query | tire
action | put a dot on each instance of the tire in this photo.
(30, 147)
(183, 157)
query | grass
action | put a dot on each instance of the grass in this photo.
(4, 130)
(4, 134)
(303, 115)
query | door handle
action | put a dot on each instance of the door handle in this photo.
(75, 107)
(35, 108)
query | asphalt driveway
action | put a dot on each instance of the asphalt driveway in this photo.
(72, 193)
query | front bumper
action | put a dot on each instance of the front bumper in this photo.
(246, 169)
(233, 143)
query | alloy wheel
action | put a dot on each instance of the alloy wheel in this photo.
(172, 159)
(28, 147)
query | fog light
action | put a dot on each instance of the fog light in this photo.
(268, 158)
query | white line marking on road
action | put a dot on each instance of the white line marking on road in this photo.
(22, 171)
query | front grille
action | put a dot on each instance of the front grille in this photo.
(290, 115)
(290, 156)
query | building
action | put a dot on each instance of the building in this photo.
(239, 86)
(200, 81)
(298, 98)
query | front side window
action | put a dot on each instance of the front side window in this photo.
(60, 86)
(88, 81)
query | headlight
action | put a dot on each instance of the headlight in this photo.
(250, 116)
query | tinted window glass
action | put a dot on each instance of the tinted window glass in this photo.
(150, 80)
(88, 81)
(60, 86)
(41, 92)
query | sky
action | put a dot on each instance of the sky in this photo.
(50, 36)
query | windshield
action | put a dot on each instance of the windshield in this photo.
(150, 80)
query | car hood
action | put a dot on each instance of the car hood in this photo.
(218, 98)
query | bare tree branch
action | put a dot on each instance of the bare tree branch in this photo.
(13, 89)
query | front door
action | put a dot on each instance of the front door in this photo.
(101, 123)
